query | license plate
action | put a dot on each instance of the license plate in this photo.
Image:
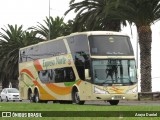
(15, 98)
(118, 97)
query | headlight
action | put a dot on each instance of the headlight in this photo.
(134, 90)
(99, 91)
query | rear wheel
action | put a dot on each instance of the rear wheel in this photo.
(30, 97)
(36, 97)
(113, 102)
(76, 98)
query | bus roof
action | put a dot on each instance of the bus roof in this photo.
(98, 33)
(88, 33)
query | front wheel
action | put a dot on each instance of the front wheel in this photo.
(113, 102)
(76, 98)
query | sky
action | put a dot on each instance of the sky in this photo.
(29, 12)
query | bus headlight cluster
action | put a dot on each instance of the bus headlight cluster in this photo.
(134, 90)
(99, 91)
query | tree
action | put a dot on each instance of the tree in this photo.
(94, 15)
(143, 13)
(57, 28)
(16, 38)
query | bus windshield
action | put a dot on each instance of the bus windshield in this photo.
(110, 45)
(114, 72)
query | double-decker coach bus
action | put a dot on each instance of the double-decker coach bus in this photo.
(95, 65)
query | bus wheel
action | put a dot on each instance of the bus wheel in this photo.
(113, 102)
(37, 100)
(31, 98)
(76, 98)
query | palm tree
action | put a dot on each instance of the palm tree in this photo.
(143, 13)
(94, 15)
(57, 28)
(16, 38)
(8, 51)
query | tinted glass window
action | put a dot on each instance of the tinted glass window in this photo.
(114, 71)
(71, 44)
(57, 75)
(13, 90)
(53, 48)
(78, 43)
(80, 51)
(110, 45)
(81, 43)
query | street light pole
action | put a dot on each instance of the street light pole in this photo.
(49, 34)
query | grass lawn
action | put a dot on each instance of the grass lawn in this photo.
(86, 110)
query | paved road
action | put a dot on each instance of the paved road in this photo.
(130, 103)
(121, 103)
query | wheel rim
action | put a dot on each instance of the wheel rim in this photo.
(77, 99)
(37, 98)
(30, 97)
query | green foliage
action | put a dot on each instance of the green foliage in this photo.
(13, 38)
(140, 12)
(94, 15)
(107, 15)
(35, 107)
(16, 38)
(91, 15)
(57, 28)
(74, 107)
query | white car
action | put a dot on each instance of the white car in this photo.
(8, 94)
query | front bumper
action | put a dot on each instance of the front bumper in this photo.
(13, 98)
(116, 96)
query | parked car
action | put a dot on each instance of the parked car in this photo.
(8, 94)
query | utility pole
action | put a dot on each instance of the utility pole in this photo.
(49, 34)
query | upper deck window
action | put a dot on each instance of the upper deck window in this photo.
(112, 45)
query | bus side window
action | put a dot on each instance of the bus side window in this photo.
(69, 75)
(59, 75)
(51, 75)
(46, 76)
(43, 76)
(80, 65)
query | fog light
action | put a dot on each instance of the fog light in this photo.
(112, 98)
(124, 98)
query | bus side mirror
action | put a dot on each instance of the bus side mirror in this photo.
(87, 77)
